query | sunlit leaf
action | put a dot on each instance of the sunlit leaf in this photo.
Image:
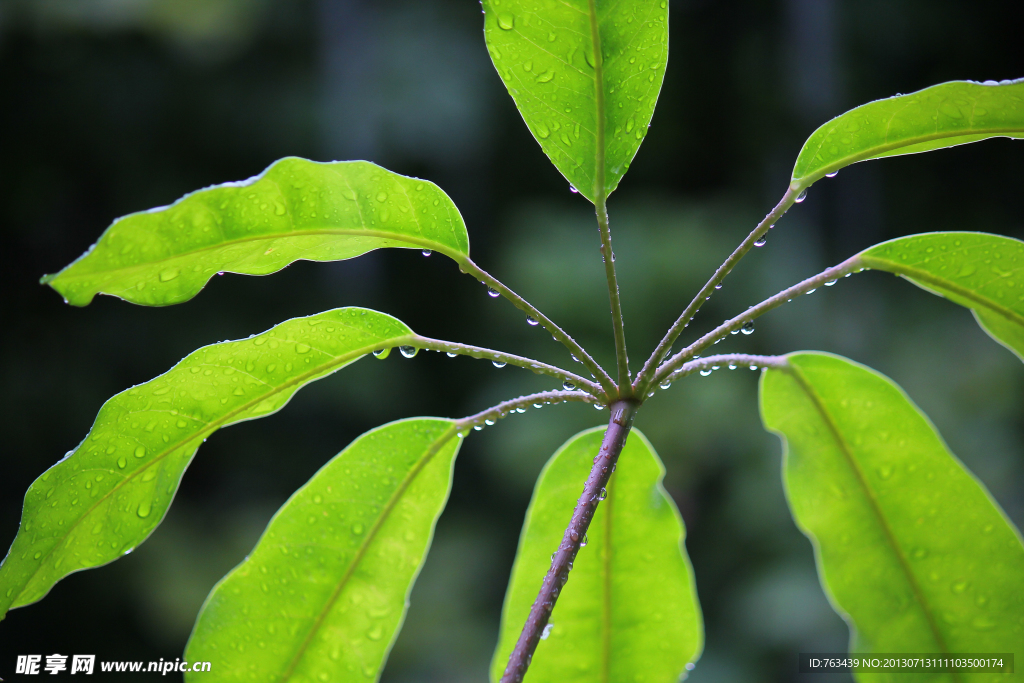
(911, 548)
(323, 594)
(629, 611)
(295, 210)
(941, 116)
(588, 102)
(105, 497)
(982, 272)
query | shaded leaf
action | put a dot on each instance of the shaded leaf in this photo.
(295, 210)
(324, 593)
(941, 116)
(589, 113)
(105, 497)
(982, 272)
(911, 548)
(630, 607)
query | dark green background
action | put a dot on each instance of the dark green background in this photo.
(113, 106)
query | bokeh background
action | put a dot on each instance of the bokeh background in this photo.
(114, 106)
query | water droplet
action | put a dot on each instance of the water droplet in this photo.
(493, 293)
(568, 386)
(140, 452)
(598, 406)
(450, 354)
(489, 422)
(408, 351)
(376, 632)
(885, 471)
(602, 494)
(753, 367)
(546, 632)
(572, 188)
(382, 196)
(145, 507)
(761, 242)
(705, 372)
(830, 283)
(919, 553)
(530, 320)
(833, 174)
(122, 462)
(959, 586)
(426, 252)
(498, 363)
(748, 327)
(357, 528)
(718, 286)
(666, 384)
(302, 348)
(382, 353)
(169, 274)
(506, 21)
(478, 428)
(802, 196)
(690, 666)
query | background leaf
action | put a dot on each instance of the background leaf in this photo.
(296, 209)
(324, 592)
(941, 116)
(911, 548)
(630, 607)
(982, 272)
(105, 497)
(544, 52)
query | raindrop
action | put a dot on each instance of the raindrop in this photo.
(583, 543)
(748, 327)
(753, 367)
(761, 242)
(145, 508)
(732, 366)
(382, 353)
(426, 252)
(538, 405)
(802, 196)
(357, 529)
(451, 355)
(506, 21)
(812, 291)
(546, 632)
(598, 406)
(489, 422)
(140, 452)
(493, 293)
(718, 286)
(498, 363)
(705, 372)
(833, 174)
(568, 386)
(602, 494)
(830, 283)
(690, 666)
(520, 410)
(122, 463)
(573, 189)
(408, 351)
(530, 320)
(478, 428)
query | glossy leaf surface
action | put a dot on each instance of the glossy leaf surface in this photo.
(105, 497)
(295, 210)
(941, 116)
(585, 76)
(911, 549)
(323, 594)
(629, 610)
(982, 272)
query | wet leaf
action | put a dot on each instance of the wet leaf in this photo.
(911, 548)
(105, 497)
(585, 76)
(630, 608)
(295, 210)
(982, 272)
(941, 116)
(324, 593)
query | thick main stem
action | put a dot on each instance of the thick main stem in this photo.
(622, 413)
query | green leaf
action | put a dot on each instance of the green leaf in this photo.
(105, 497)
(295, 210)
(911, 548)
(585, 76)
(629, 611)
(941, 116)
(982, 272)
(324, 593)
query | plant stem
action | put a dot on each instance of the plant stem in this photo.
(850, 265)
(729, 360)
(504, 408)
(468, 266)
(622, 413)
(705, 293)
(509, 359)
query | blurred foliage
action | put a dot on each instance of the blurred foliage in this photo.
(115, 106)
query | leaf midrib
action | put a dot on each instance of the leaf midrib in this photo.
(932, 279)
(420, 242)
(209, 429)
(844, 447)
(907, 142)
(371, 535)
